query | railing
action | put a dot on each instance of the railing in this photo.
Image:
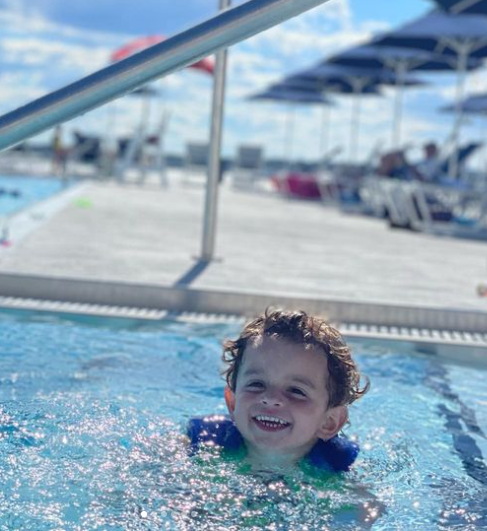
(228, 27)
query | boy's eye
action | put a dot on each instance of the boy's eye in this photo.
(255, 385)
(297, 392)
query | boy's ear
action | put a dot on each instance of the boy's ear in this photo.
(229, 400)
(335, 418)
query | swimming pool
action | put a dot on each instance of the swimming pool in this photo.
(91, 411)
(19, 192)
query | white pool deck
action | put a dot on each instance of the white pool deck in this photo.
(137, 246)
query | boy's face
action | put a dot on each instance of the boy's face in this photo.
(281, 400)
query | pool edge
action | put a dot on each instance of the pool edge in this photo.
(104, 296)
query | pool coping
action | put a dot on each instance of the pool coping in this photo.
(418, 324)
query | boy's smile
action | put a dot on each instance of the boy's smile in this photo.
(281, 400)
(270, 423)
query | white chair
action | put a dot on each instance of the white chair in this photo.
(196, 160)
(329, 188)
(247, 166)
(439, 210)
(396, 199)
(373, 196)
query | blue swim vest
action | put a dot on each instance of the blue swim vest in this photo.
(335, 455)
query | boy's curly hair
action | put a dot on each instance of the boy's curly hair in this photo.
(311, 332)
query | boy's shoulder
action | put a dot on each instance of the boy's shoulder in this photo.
(337, 454)
(213, 430)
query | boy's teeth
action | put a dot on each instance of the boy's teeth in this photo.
(268, 418)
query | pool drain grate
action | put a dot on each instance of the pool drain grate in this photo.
(350, 330)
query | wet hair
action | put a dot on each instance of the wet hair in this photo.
(302, 329)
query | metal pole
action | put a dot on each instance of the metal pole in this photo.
(463, 55)
(214, 163)
(400, 71)
(225, 29)
(289, 138)
(358, 86)
(325, 137)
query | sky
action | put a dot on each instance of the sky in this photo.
(47, 44)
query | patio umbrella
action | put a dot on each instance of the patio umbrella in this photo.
(349, 80)
(476, 104)
(471, 7)
(400, 61)
(281, 92)
(336, 86)
(457, 37)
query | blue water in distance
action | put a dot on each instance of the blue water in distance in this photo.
(17, 193)
(91, 413)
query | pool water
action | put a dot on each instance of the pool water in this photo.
(91, 413)
(17, 193)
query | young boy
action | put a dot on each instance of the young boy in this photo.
(290, 380)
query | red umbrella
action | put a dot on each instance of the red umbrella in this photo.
(137, 45)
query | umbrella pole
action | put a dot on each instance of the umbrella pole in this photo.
(214, 165)
(358, 86)
(145, 112)
(144, 126)
(354, 142)
(160, 160)
(401, 70)
(463, 54)
(111, 122)
(324, 138)
(289, 139)
(110, 139)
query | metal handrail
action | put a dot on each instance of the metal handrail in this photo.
(225, 29)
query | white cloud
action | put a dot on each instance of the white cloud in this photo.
(18, 88)
(25, 20)
(37, 52)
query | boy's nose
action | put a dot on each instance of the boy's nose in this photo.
(271, 399)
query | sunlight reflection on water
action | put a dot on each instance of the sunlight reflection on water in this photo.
(91, 419)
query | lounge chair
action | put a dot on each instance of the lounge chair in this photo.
(435, 209)
(328, 186)
(453, 212)
(464, 152)
(196, 161)
(247, 166)
(380, 193)
(395, 202)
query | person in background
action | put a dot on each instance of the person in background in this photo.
(59, 153)
(429, 168)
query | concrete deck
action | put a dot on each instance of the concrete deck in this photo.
(266, 244)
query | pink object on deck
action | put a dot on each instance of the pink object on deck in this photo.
(297, 184)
